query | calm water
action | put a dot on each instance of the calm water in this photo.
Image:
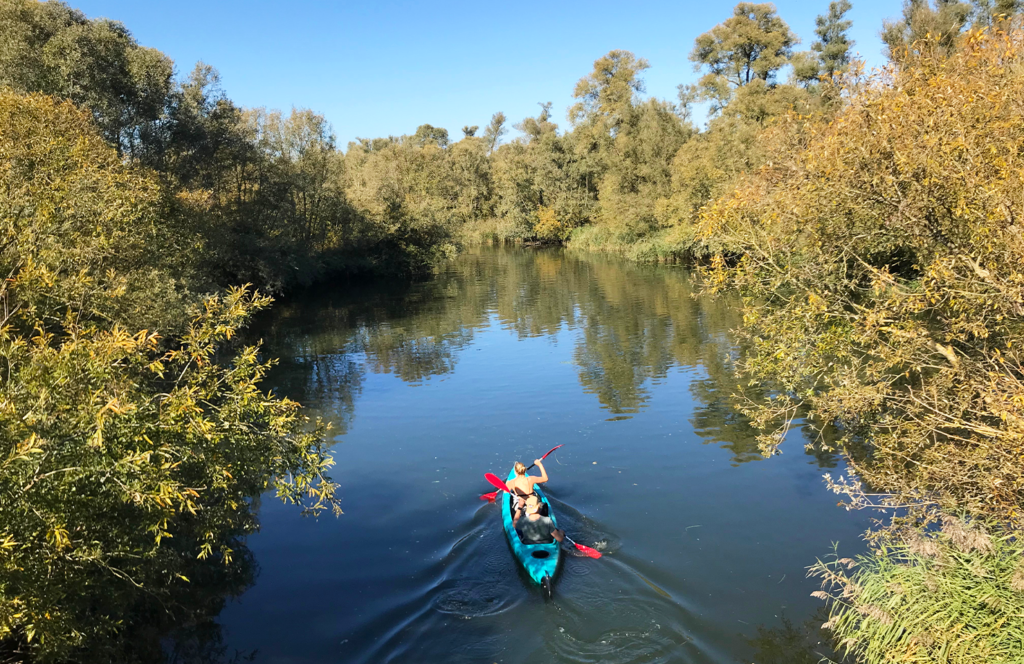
(502, 356)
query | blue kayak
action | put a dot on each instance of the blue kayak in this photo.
(539, 560)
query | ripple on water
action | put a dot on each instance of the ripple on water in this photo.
(651, 644)
(475, 598)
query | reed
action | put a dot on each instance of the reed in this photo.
(953, 595)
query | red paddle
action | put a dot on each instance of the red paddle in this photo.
(545, 456)
(593, 553)
(493, 479)
(501, 485)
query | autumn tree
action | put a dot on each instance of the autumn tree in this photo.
(741, 57)
(128, 465)
(897, 318)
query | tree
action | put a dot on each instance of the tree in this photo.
(469, 132)
(48, 47)
(495, 130)
(753, 44)
(830, 54)
(922, 25)
(426, 133)
(610, 90)
(896, 319)
(535, 129)
(833, 44)
(987, 13)
(128, 465)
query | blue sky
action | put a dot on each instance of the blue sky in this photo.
(380, 68)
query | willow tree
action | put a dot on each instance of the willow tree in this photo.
(751, 45)
(884, 289)
(629, 141)
(49, 47)
(741, 58)
(128, 465)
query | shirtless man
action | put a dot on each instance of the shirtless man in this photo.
(534, 528)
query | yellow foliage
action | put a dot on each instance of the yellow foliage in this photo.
(547, 226)
(882, 259)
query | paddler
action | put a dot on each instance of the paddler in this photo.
(522, 484)
(534, 528)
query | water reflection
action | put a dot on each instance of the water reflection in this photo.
(504, 355)
(634, 324)
(807, 643)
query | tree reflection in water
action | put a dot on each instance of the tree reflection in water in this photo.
(790, 644)
(635, 324)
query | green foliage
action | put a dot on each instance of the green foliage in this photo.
(742, 56)
(608, 93)
(952, 595)
(833, 45)
(753, 44)
(261, 195)
(128, 464)
(925, 25)
(830, 54)
(48, 47)
(415, 194)
(494, 131)
(543, 170)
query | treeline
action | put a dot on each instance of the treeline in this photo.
(256, 196)
(270, 199)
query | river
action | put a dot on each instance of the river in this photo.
(501, 356)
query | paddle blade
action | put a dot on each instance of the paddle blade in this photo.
(546, 455)
(489, 497)
(592, 553)
(550, 451)
(495, 482)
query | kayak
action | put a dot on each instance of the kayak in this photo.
(539, 560)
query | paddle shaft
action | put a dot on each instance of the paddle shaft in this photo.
(545, 456)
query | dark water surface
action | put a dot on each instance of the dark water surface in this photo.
(502, 356)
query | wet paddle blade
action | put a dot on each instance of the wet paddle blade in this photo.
(592, 553)
(495, 482)
(489, 497)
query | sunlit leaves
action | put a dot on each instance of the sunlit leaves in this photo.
(128, 462)
(881, 260)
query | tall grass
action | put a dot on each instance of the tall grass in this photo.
(658, 247)
(952, 595)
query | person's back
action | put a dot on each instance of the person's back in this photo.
(522, 484)
(534, 528)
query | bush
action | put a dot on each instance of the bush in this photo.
(129, 463)
(882, 269)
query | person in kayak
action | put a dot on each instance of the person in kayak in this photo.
(521, 485)
(534, 528)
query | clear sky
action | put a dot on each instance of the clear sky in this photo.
(379, 68)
